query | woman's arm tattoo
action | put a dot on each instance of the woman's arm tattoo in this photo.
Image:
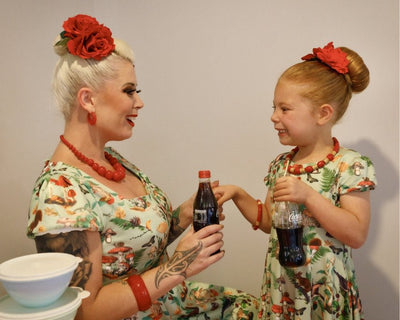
(75, 243)
(178, 264)
(176, 230)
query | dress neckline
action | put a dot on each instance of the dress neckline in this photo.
(59, 164)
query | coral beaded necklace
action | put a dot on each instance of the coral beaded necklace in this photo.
(298, 168)
(117, 175)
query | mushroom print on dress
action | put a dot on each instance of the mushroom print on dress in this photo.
(288, 293)
(134, 234)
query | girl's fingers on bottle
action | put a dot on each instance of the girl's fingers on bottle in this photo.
(215, 183)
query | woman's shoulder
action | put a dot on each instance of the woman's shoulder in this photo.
(61, 174)
(62, 198)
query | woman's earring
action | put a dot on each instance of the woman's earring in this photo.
(91, 118)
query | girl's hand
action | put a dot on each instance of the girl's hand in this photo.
(214, 185)
(225, 193)
(291, 189)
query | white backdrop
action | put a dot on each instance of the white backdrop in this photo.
(207, 70)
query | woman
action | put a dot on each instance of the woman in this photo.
(91, 202)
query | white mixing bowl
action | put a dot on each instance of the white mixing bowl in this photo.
(64, 308)
(37, 280)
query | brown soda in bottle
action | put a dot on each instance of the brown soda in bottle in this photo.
(205, 206)
(287, 220)
(291, 253)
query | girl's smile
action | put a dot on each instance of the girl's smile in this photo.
(292, 116)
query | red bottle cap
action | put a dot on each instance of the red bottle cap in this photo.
(204, 174)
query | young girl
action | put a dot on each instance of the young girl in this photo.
(329, 182)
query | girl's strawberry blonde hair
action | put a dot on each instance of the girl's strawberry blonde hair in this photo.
(327, 79)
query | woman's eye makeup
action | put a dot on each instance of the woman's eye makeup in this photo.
(131, 91)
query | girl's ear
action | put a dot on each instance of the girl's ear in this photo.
(85, 99)
(325, 113)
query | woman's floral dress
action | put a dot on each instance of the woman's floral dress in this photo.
(134, 235)
(325, 287)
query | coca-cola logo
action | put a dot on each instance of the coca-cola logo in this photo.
(295, 217)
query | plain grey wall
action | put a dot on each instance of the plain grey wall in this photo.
(208, 69)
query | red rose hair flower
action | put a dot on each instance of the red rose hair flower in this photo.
(86, 38)
(333, 57)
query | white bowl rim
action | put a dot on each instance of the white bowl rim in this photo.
(47, 312)
(72, 263)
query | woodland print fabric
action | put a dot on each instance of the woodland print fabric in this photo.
(134, 234)
(325, 287)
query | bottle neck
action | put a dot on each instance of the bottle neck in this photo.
(204, 180)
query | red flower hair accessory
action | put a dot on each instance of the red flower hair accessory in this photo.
(335, 58)
(86, 38)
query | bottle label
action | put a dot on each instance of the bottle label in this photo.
(295, 218)
(287, 216)
(206, 216)
(200, 216)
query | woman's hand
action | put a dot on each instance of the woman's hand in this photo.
(194, 252)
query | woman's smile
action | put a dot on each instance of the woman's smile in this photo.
(131, 118)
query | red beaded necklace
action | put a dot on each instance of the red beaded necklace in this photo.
(117, 175)
(298, 168)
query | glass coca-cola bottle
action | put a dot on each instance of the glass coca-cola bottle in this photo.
(287, 219)
(205, 207)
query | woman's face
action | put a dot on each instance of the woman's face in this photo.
(293, 116)
(117, 103)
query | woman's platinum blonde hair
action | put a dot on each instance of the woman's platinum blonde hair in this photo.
(72, 73)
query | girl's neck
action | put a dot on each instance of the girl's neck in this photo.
(313, 152)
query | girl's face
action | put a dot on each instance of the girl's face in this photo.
(117, 104)
(293, 115)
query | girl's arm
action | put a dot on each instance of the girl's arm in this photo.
(246, 204)
(348, 223)
(116, 300)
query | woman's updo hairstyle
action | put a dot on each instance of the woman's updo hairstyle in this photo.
(73, 72)
(326, 85)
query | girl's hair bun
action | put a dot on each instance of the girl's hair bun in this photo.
(358, 71)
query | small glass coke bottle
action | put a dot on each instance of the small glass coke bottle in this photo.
(205, 207)
(287, 219)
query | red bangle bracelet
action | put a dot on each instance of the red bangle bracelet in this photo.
(259, 215)
(140, 292)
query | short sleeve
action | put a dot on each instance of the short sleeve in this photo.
(357, 173)
(61, 203)
(274, 168)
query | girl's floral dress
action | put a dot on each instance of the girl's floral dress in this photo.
(134, 235)
(325, 287)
